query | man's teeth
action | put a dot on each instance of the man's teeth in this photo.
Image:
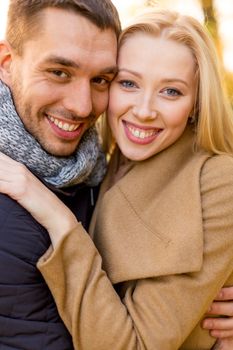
(142, 134)
(64, 126)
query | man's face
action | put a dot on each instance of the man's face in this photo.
(60, 83)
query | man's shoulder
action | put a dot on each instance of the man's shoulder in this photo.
(10, 207)
(20, 234)
(14, 217)
(7, 203)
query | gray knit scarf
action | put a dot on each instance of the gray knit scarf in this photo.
(87, 165)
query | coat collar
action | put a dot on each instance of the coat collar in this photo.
(150, 222)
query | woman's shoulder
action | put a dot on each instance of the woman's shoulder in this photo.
(218, 164)
(217, 173)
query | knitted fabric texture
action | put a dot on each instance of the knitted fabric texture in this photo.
(87, 165)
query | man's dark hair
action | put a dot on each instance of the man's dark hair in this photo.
(24, 17)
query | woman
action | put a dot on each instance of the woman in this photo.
(163, 226)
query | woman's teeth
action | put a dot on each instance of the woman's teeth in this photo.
(142, 134)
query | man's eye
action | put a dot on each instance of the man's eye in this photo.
(127, 83)
(100, 81)
(59, 73)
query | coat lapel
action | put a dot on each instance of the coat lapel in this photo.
(149, 223)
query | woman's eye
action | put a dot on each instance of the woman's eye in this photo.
(127, 83)
(172, 92)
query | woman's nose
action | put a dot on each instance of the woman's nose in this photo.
(144, 109)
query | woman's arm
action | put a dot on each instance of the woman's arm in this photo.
(154, 313)
(85, 296)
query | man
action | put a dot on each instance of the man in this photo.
(55, 69)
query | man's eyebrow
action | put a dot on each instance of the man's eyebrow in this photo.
(61, 61)
(109, 70)
(70, 63)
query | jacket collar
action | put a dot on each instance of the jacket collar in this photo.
(150, 222)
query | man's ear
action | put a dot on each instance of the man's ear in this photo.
(5, 62)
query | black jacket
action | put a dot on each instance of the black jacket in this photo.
(28, 315)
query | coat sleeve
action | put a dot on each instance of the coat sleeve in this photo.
(154, 313)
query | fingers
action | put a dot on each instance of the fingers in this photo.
(225, 294)
(14, 178)
(219, 327)
(224, 344)
(9, 166)
(10, 186)
(5, 158)
(224, 308)
(221, 334)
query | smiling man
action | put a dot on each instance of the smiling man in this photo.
(56, 65)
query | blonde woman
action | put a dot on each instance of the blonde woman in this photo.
(161, 243)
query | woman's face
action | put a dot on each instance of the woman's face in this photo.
(152, 96)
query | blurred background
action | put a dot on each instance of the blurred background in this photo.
(217, 15)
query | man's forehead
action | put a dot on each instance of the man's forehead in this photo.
(76, 64)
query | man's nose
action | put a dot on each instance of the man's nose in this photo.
(78, 99)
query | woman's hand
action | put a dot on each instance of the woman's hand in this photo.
(223, 344)
(21, 185)
(222, 327)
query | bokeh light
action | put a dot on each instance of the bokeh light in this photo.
(3, 15)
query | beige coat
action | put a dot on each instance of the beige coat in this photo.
(165, 232)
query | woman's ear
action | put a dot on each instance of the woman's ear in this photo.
(5, 62)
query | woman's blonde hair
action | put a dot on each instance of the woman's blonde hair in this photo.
(212, 110)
